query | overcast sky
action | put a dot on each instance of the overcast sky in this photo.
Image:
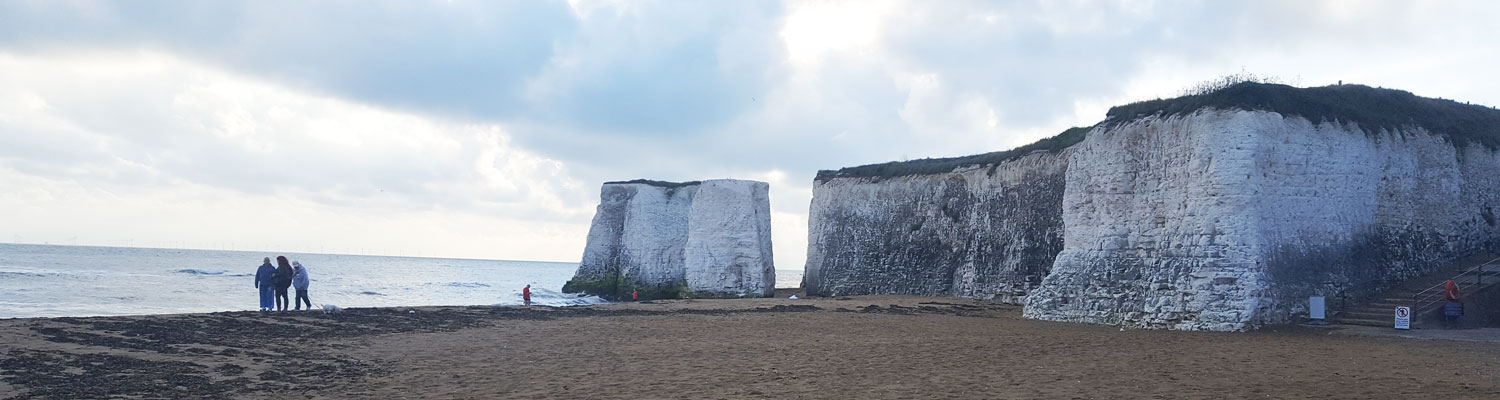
(484, 129)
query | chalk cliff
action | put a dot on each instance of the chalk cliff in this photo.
(978, 232)
(1215, 212)
(1228, 219)
(671, 240)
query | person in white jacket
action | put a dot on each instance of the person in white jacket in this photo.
(299, 281)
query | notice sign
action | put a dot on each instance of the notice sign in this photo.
(1403, 317)
(1315, 308)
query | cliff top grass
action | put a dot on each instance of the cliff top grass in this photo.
(668, 185)
(1371, 108)
(928, 166)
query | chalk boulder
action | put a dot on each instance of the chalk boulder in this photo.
(679, 240)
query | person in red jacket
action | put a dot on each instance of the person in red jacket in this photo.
(526, 295)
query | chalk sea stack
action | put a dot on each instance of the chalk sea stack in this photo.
(708, 239)
(1217, 211)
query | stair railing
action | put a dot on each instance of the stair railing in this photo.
(1468, 281)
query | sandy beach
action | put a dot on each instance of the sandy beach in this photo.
(860, 347)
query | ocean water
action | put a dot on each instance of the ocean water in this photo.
(57, 281)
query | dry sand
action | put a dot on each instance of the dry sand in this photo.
(862, 347)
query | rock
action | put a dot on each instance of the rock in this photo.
(988, 233)
(1262, 211)
(1209, 219)
(672, 240)
(728, 249)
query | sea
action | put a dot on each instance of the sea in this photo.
(76, 281)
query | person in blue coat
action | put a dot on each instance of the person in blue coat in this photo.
(263, 282)
(299, 281)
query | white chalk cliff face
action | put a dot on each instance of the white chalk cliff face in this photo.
(1225, 220)
(978, 232)
(668, 240)
(728, 250)
(1213, 220)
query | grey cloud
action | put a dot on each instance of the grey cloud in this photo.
(463, 59)
(641, 68)
(657, 68)
(155, 122)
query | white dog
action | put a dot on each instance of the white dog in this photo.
(329, 309)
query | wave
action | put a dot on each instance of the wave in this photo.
(6, 270)
(368, 293)
(29, 274)
(206, 272)
(472, 285)
(546, 297)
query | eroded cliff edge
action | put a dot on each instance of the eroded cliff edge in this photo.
(676, 240)
(1221, 212)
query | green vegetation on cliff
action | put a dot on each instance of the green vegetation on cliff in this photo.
(669, 185)
(1371, 108)
(617, 288)
(928, 166)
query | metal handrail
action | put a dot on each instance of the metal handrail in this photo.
(1428, 299)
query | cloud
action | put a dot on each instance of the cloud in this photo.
(657, 68)
(61, 211)
(153, 123)
(459, 59)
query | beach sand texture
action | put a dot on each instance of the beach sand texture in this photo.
(860, 347)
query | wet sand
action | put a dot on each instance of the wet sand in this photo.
(860, 347)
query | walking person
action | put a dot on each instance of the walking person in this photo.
(526, 295)
(299, 281)
(263, 283)
(282, 281)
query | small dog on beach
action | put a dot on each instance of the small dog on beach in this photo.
(330, 309)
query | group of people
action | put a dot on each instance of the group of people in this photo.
(273, 282)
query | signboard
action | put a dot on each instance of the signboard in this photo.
(1403, 317)
(1315, 309)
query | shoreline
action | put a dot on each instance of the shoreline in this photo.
(863, 346)
(781, 293)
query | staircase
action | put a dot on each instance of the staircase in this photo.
(1425, 293)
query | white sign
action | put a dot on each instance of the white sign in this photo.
(1315, 308)
(1403, 317)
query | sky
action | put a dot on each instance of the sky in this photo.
(483, 129)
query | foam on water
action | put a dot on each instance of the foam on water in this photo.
(553, 298)
(217, 272)
(474, 285)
